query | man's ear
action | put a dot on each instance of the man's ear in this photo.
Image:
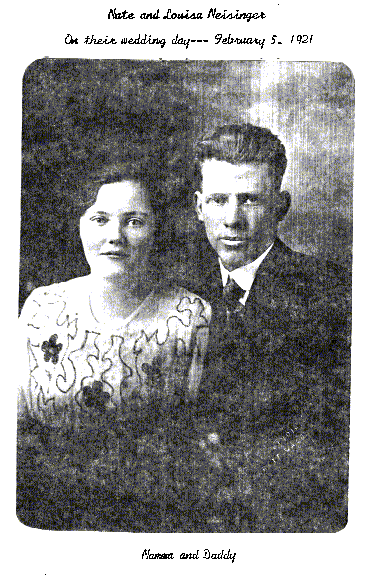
(198, 205)
(283, 205)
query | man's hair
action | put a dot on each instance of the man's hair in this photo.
(242, 144)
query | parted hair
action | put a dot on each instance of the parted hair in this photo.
(91, 182)
(242, 144)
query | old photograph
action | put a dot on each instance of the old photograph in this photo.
(185, 296)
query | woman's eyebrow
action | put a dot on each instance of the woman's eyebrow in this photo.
(129, 213)
(135, 213)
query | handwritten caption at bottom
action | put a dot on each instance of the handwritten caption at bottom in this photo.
(205, 554)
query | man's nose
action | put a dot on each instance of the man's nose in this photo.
(233, 213)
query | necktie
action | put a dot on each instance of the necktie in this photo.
(232, 292)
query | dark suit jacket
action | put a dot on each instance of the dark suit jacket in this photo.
(283, 361)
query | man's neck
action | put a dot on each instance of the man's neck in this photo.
(252, 263)
(244, 275)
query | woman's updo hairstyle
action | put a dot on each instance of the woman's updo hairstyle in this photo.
(86, 193)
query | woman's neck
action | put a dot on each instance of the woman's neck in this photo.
(119, 296)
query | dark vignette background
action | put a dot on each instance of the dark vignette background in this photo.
(79, 114)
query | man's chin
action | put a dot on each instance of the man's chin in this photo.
(232, 257)
(233, 261)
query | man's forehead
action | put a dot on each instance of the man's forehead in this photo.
(225, 177)
(213, 168)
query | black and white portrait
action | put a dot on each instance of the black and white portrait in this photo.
(185, 317)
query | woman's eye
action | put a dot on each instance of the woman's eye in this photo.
(135, 222)
(99, 219)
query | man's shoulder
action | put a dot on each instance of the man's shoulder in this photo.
(301, 285)
(290, 266)
(282, 270)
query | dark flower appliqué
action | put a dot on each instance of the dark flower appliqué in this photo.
(51, 349)
(94, 397)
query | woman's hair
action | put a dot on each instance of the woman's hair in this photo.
(89, 184)
(83, 191)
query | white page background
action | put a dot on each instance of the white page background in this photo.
(340, 34)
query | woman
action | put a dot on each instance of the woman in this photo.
(96, 342)
(109, 358)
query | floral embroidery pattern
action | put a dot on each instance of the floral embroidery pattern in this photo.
(51, 349)
(94, 397)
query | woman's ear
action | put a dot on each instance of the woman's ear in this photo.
(198, 205)
(283, 205)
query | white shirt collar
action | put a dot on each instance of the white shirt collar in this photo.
(244, 275)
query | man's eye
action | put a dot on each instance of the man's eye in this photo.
(219, 200)
(252, 199)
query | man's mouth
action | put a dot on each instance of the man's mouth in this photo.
(233, 241)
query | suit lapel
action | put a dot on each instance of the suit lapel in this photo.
(265, 285)
(271, 267)
(209, 276)
(204, 278)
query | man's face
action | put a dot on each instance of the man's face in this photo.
(239, 207)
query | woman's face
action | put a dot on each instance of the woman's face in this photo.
(117, 231)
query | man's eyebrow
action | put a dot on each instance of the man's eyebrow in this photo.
(227, 195)
(217, 195)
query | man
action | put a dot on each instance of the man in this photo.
(279, 355)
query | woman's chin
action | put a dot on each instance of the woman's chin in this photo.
(119, 272)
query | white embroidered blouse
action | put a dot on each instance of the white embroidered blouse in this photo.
(75, 362)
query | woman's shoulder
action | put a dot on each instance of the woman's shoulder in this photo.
(179, 297)
(187, 294)
(52, 294)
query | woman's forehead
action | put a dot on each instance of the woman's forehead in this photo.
(126, 196)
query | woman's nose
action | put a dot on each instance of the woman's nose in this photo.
(116, 233)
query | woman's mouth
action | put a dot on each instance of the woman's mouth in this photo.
(114, 254)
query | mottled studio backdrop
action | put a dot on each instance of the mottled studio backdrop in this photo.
(79, 114)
